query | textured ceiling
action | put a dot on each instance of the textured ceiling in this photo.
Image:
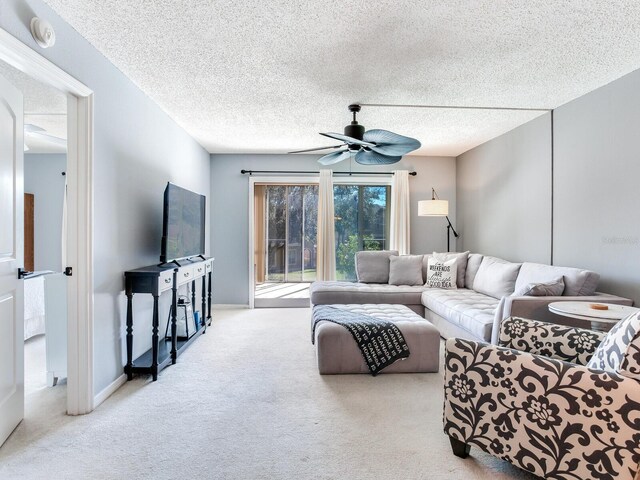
(44, 107)
(255, 76)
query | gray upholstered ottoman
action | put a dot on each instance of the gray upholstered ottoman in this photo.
(337, 351)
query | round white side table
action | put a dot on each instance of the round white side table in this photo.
(601, 320)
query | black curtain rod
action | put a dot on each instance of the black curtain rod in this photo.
(251, 172)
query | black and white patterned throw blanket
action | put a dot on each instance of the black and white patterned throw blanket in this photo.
(380, 341)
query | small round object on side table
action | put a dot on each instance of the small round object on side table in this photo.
(603, 316)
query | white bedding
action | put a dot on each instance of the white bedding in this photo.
(34, 314)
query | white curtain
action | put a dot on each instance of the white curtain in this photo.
(326, 267)
(399, 231)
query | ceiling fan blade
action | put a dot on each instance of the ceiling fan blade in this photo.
(364, 157)
(389, 143)
(316, 149)
(36, 132)
(348, 140)
(31, 128)
(47, 138)
(334, 157)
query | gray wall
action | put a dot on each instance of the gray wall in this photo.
(43, 177)
(504, 195)
(230, 210)
(596, 193)
(596, 197)
(138, 148)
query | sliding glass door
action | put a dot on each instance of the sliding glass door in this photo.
(285, 236)
(292, 213)
(362, 223)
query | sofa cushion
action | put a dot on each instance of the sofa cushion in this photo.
(576, 281)
(461, 263)
(473, 264)
(619, 352)
(325, 293)
(405, 270)
(553, 288)
(373, 266)
(441, 274)
(496, 277)
(470, 310)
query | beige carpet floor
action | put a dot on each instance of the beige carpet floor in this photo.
(246, 402)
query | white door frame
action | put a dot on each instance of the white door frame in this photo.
(302, 180)
(80, 399)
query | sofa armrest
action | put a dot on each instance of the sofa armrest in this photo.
(538, 308)
(571, 344)
(549, 417)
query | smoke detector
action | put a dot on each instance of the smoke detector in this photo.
(42, 32)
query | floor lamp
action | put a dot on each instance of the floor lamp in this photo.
(437, 208)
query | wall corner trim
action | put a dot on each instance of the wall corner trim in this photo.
(552, 176)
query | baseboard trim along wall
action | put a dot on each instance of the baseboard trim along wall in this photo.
(228, 306)
(109, 390)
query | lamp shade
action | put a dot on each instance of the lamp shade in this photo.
(433, 208)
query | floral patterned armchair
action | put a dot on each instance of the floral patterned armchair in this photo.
(531, 401)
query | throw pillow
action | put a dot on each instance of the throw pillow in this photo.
(441, 274)
(619, 352)
(548, 289)
(373, 266)
(576, 281)
(496, 277)
(461, 263)
(405, 270)
(473, 264)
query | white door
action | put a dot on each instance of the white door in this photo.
(11, 258)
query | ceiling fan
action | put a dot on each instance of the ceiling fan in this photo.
(38, 133)
(371, 147)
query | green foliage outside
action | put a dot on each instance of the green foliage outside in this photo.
(346, 252)
(361, 224)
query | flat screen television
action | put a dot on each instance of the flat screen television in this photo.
(183, 224)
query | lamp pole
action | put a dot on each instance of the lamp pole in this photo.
(449, 229)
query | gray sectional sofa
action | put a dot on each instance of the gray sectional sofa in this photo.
(484, 297)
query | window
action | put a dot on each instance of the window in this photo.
(362, 223)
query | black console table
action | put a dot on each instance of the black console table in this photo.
(156, 280)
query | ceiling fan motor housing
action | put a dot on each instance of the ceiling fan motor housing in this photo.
(354, 130)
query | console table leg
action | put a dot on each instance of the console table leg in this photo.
(203, 320)
(193, 295)
(209, 299)
(129, 366)
(174, 319)
(154, 339)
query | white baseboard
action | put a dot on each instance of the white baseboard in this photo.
(228, 306)
(109, 390)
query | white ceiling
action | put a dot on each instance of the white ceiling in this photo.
(44, 106)
(256, 76)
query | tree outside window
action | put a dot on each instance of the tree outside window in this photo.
(361, 222)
